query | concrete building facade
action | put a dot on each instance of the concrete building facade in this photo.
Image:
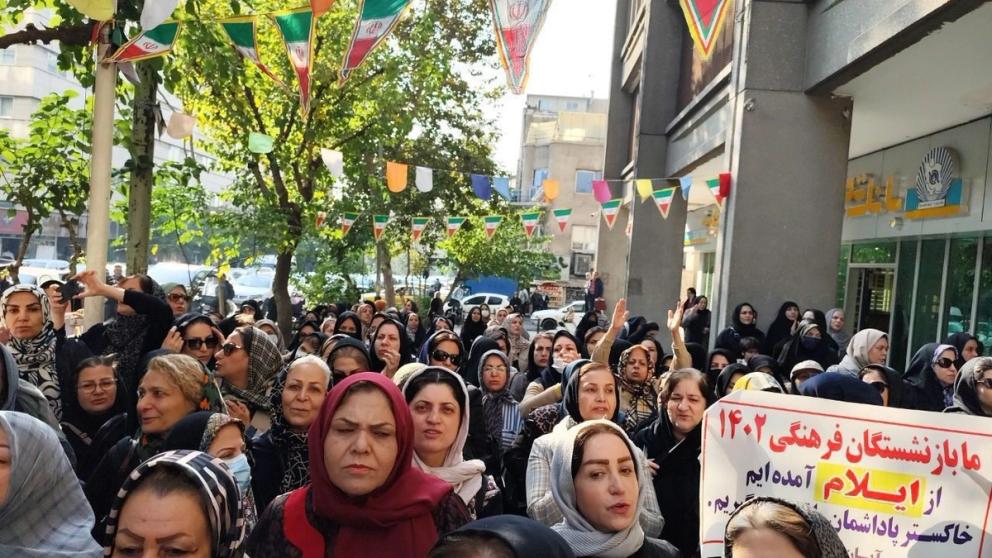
(806, 104)
(564, 139)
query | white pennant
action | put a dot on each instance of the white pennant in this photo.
(425, 179)
(155, 12)
(334, 161)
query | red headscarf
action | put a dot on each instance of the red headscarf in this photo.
(394, 519)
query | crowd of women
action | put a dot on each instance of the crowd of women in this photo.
(381, 432)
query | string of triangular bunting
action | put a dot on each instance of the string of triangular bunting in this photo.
(453, 224)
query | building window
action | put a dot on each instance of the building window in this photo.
(51, 61)
(6, 106)
(584, 238)
(572, 106)
(545, 105)
(8, 56)
(581, 264)
(583, 180)
(539, 176)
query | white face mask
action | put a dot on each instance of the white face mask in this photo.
(274, 338)
(558, 363)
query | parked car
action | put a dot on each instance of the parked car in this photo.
(571, 313)
(495, 302)
(190, 275)
(253, 284)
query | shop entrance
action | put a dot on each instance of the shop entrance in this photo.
(873, 291)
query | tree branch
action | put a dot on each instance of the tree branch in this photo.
(76, 35)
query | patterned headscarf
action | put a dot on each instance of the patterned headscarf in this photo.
(499, 406)
(216, 486)
(643, 397)
(291, 443)
(264, 362)
(35, 356)
(45, 514)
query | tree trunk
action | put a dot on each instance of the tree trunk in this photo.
(386, 266)
(454, 283)
(139, 203)
(22, 250)
(280, 290)
(71, 227)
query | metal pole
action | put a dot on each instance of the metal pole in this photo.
(98, 222)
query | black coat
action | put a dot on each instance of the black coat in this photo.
(677, 482)
(268, 470)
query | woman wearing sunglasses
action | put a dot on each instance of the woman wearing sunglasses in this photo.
(444, 348)
(973, 390)
(929, 383)
(196, 336)
(885, 380)
(246, 365)
(177, 297)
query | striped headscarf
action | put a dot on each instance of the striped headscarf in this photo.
(216, 486)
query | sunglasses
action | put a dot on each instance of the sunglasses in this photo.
(442, 356)
(945, 362)
(880, 386)
(175, 297)
(229, 348)
(194, 343)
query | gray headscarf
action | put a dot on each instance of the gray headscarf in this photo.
(281, 344)
(585, 539)
(966, 388)
(45, 514)
(841, 337)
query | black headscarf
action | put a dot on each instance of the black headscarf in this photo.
(570, 395)
(840, 387)
(551, 376)
(820, 319)
(793, 351)
(958, 341)
(73, 413)
(589, 320)
(781, 328)
(406, 347)
(759, 361)
(298, 337)
(636, 329)
(966, 388)
(920, 365)
(471, 368)
(712, 374)
(698, 354)
(723, 379)
(659, 365)
(344, 316)
(346, 341)
(533, 370)
(730, 338)
(526, 537)
(471, 330)
(420, 335)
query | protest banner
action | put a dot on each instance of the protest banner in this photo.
(894, 483)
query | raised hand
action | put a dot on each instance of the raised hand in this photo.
(620, 316)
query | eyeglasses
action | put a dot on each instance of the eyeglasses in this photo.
(494, 369)
(987, 382)
(229, 348)
(880, 386)
(194, 343)
(442, 356)
(176, 297)
(944, 362)
(90, 387)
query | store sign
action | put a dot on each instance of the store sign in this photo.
(938, 191)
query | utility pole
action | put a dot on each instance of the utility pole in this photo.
(98, 221)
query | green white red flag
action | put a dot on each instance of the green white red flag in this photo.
(376, 21)
(418, 226)
(610, 211)
(561, 217)
(379, 223)
(243, 33)
(705, 20)
(296, 27)
(492, 223)
(455, 223)
(531, 220)
(347, 221)
(149, 44)
(663, 199)
(517, 24)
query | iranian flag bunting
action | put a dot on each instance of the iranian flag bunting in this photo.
(379, 223)
(492, 223)
(705, 20)
(296, 27)
(531, 220)
(714, 187)
(375, 21)
(561, 217)
(347, 220)
(517, 24)
(610, 211)
(663, 199)
(242, 31)
(149, 44)
(419, 224)
(455, 223)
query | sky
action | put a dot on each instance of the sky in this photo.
(572, 56)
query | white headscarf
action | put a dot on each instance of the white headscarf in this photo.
(464, 476)
(45, 514)
(585, 539)
(861, 343)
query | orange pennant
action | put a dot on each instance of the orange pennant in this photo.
(551, 188)
(320, 7)
(396, 174)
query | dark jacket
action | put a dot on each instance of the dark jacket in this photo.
(677, 481)
(697, 326)
(921, 389)
(730, 338)
(793, 351)
(268, 469)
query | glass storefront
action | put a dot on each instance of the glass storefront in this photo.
(919, 290)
